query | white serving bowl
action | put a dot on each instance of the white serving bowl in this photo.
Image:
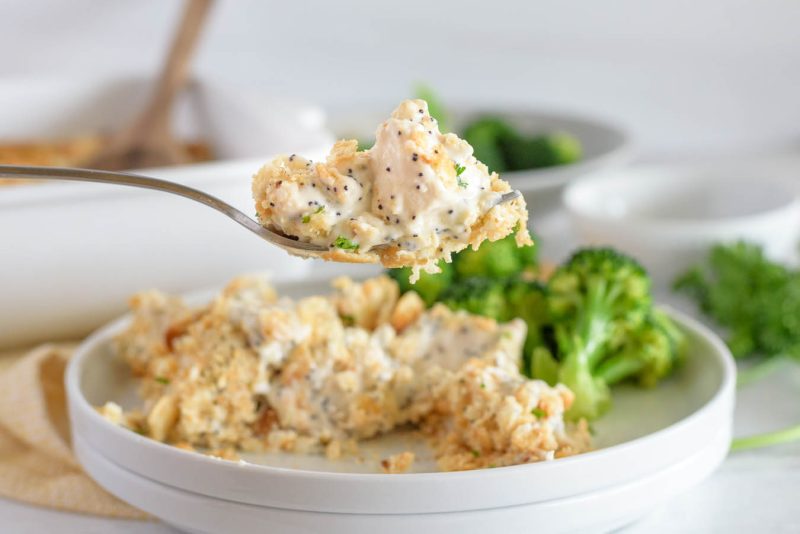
(646, 432)
(605, 144)
(668, 217)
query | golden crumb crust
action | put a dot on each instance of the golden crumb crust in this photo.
(252, 371)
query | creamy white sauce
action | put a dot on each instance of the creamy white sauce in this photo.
(416, 189)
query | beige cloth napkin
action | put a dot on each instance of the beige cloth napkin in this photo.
(36, 462)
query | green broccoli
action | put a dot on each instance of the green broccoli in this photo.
(429, 286)
(435, 106)
(540, 151)
(542, 365)
(479, 296)
(496, 259)
(499, 145)
(595, 299)
(527, 300)
(648, 354)
(487, 136)
(591, 326)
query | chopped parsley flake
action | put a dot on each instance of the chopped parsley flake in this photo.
(459, 169)
(345, 244)
(483, 386)
(348, 320)
(461, 183)
(539, 413)
(307, 218)
(162, 380)
(475, 453)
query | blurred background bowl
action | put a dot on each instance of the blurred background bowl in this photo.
(668, 217)
(604, 144)
(73, 253)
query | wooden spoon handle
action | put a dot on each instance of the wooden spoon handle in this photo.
(176, 69)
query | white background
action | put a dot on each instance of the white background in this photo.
(689, 77)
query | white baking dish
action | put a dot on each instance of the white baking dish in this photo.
(71, 254)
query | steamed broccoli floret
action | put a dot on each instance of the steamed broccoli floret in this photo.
(502, 148)
(479, 296)
(596, 298)
(527, 300)
(591, 326)
(648, 354)
(429, 286)
(487, 137)
(541, 151)
(543, 365)
(498, 259)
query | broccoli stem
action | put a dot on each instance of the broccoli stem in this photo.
(777, 437)
(594, 322)
(617, 369)
(591, 394)
(758, 441)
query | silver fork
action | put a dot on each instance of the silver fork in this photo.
(292, 246)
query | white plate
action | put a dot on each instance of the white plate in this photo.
(599, 511)
(647, 431)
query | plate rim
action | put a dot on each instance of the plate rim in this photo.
(709, 458)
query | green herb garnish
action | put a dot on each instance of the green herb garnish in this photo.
(539, 413)
(162, 380)
(307, 217)
(475, 453)
(757, 301)
(345, 244)
(348, 320)
(459, 170)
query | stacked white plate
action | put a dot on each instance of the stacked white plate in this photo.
(652, 445)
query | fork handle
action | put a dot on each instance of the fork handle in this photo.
(146, 182)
